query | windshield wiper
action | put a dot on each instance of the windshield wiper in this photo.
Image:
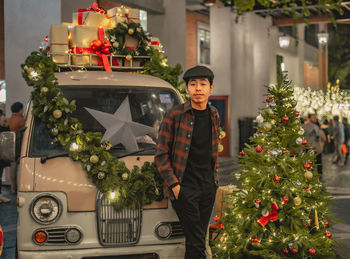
(137, 152)
(44, 158)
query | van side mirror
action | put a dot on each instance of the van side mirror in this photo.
(8, 146)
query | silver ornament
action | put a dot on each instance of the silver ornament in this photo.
(301, 131)
(100, 175)
(65, 122)
(46, 108)
(272, 104)
(103, 163)
(88, 168)
(237, 176)
(298, 183)
(299, 141)
(265, 212)
(54, 131)
(243, 193)
(259, 119)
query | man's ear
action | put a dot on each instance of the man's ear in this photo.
(186, 88)
(211, 88)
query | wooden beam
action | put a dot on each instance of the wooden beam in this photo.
(290, 21)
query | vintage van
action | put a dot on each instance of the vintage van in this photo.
(61, 214)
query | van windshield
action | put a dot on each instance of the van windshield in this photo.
(147, 106)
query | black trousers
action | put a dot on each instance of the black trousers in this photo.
(193, 208)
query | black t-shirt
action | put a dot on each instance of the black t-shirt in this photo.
(199, 170)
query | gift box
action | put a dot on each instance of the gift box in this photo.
(220, 203)
(122, 14)
(154, 43)
(82, 37)
(130, 42)
(59, 42)
(89, 18)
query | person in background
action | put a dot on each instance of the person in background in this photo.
(16, 122)
(315, 137)
(3, 127)
(338, 137)
(325, 127)
(346, 137)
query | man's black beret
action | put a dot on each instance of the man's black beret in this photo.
(199, 72)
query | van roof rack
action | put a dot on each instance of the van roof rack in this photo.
(117, 62)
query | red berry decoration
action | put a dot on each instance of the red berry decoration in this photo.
(307, 166)
(255, 240)
(308, 188)
(326, 224)
(328, 234)
(276, 179)
(297, 114)
(257, 201)
(285, 150)
(259, 149)
(242, 153)
(285, 118)
(268, 99)
(308, 223)
(285, 251)
(222, 226)
(312, 251)
(284, 199)
(304, 142)
(309, 162)
(294, 251)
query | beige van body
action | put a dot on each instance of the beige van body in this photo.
(78, 199)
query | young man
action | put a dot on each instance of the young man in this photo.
(186, 158)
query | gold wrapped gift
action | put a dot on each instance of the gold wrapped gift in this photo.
(89, 18)
(220, 203)
(122, 14)
(82, 36)
(59, 42)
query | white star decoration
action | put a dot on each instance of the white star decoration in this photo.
(119, 126)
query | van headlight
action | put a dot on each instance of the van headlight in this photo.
(163, 230)
(46, 209)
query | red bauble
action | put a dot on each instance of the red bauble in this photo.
(255, 240)
(294, 251)
(259, 149)
(312, 251)
(96, 44)
(308, 224)
(307, 166)
(276, 179)
(297, 114)
(284, 199)
(309, 162)
(308, 188)
(285, 251)
(328, 234)
(242, 153)
(257, 201)
(268, 99)
(216, 218)
(326, 224)
(259, 131)
(285, 118)
(293, 152)
(285, 150)
(304, 142)
(222, 226)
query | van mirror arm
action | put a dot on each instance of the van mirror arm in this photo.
(44, 158)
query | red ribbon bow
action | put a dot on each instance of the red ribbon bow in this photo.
(92, 8)
(272, 215)
(129, 18)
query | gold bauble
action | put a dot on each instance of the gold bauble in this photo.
(57, 114)
(131, 31)
(125, 176)
(308, 175)
(267, 126)
(94, 159)
(297, 201)
(128, 57)
(115, 44)
(220, 148)
(44, 89)
(222, 134)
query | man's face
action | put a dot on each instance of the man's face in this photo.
(199, 90)
(313, 118)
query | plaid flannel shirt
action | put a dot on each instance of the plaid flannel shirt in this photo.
(174, 141)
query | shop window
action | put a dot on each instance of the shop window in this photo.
(143, 19)
(203, 44)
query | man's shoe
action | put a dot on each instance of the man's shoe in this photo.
(4, 199)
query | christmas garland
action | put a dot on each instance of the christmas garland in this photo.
(117, 36)
(125, 188)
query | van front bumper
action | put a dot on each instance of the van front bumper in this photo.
(173, 251)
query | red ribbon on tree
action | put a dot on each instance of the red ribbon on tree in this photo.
(92, 8)
(129, 18)
(272, 215)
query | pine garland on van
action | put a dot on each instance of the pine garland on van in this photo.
(125, 188)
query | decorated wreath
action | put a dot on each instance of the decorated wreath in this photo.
(117, 37)
(124, 188)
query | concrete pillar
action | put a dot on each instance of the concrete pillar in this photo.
(69, 6)
(170, 27)
(26, 24)
(300, 80)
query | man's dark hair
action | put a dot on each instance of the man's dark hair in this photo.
(16, 107)
(1, 112)
(336, 118)
(310, 114)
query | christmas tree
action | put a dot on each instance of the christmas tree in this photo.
(281, 209)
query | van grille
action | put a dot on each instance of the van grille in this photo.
(117, 228)
(177, 230)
